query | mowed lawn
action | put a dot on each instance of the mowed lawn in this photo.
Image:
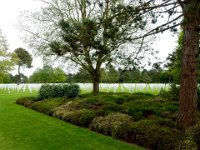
(25, 129)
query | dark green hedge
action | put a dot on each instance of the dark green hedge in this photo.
(51, 91)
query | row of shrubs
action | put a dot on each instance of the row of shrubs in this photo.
(142, 119)
(145, 132)
(60, 90)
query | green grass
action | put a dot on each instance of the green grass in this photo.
(25, 129)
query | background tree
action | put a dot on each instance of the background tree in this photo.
(155, 72)
(24, 60)
(82, 76)
(174, 60)
(109, 75)
(7, 60)
(15, 78)
(47, 74)
(90, 33)
(4, 78)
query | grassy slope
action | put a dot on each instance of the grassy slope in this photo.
(22, 129)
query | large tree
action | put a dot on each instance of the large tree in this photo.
(187, 14)
(89, 32)
(24, 60)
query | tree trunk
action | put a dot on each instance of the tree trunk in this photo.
(188, 90)
(96, 80)
(19, 77)
(96, 86)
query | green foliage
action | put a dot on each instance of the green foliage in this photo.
(24, 58)
(172, 94)
(140, 109)
(26, 101)
(148, 134)
(110, 75)
(7, 60)
(4, 77)
(187, 145)
(48, 75)
(47, 106)
(46, 91)
(115, 114)
(81, 117)
(72, 91)
(51, 91)
(115, 124)
(174, 60)
(193, 133)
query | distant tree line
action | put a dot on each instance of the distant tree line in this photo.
(48, 74)
(111, 75)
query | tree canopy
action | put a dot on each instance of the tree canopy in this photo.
(90, 33)
(7, 60)
(24, 60)
(47, 74)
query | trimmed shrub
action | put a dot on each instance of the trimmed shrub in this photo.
(148, 134)
(144, 132)
(51, 91)
(108, 108)
(80, 117)
(193, 133)
(125, 97)
(73, 91)
(45, 91)
(47, 106)
(57, 90)
(187, 145)
(26, 101)
(141, 109)
(153, 136)
(115, 124)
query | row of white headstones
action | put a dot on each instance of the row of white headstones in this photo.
(87, 87)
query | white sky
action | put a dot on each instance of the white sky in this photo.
(10, 11)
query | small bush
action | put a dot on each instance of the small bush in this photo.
(141, 109)
(73, 91)
(47, 106)
(164, 122)
(45, 91)
(125, 97)
(52, 91)
(57, 91)
(114, 124)
(187, 145)
(144, 132)
(108, 108)
(193, 133)
(80, 117)
(148, 134)
(26, 101)
(172, 94)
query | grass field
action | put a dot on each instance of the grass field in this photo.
(25, 129)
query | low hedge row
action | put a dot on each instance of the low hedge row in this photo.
(155, 129)
(144, 132)
(65, 90)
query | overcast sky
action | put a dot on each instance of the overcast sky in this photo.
(10, 11)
